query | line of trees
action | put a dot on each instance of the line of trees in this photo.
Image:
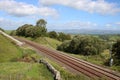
(86, 45)
(39, 30)
(29, 30)
(59, 36)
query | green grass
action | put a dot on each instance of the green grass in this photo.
(25, 71)
(8, 51)
(65, 74)
(116, 68)
(8, 31)
(98, 60)
(12, 67)
(95, 59)
(49, 42)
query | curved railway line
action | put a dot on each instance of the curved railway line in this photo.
(84, 67)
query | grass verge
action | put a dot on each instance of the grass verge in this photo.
(65, 74)
(24, 71)
(95, 59)
(16, 63)
(8, 51)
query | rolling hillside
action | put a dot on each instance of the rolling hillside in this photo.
(13, 65)
(8, 51)
(49, 42)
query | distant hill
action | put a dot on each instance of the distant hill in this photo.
(87, 31)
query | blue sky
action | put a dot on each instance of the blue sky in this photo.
(61, 14)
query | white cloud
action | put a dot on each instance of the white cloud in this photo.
(108, 25)
(97, 6)
(73, 25)
(114, 24)
(23, 9)
(117, 23)
(9, 24)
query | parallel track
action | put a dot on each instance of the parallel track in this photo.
(84, 67)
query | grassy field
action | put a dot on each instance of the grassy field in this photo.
(8, 51)
(16, 63)
(8, 31)
(24, 71)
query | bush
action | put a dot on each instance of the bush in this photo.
(85, 45)
(22, 30)
(64, 46)
(116, 52)
(63, 37)
(53, 34)
(29, 30)
(13, 33)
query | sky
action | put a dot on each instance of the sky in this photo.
(61, 14)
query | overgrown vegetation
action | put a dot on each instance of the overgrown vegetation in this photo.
(116, 53)
(59, 36)
(86, 45)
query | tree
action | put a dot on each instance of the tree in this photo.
(116, 52)
(85, 45)
(53, 34)
(41, 23)
(62, 36)
(29, 30)
(68, 37)
(64, 46)
(22, 30)
(39, 31)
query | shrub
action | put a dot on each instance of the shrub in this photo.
(53, 34)
(116, 52)
(85, 45)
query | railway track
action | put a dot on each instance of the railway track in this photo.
(84, 67)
